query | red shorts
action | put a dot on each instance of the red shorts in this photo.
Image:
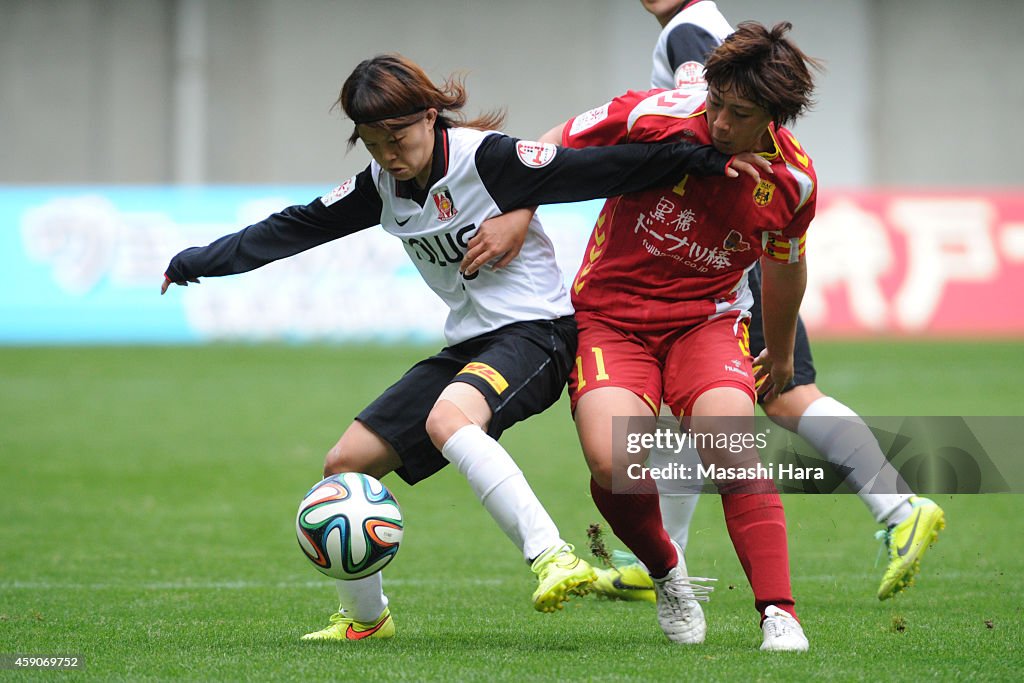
(674, 367)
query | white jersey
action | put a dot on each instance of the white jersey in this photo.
(531, 287)
(684, 45)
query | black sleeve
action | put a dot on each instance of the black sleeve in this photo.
(283, 234)
(573, 175)
(689, 43)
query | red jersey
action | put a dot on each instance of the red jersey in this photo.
(678, 255)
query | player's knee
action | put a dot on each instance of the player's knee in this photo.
(777, 409)
(603, 474)
(359, 450)
(786, 409)
(339, 459)
(443, 421)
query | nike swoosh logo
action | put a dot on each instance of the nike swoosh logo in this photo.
(402, 223)
(910, 539)
(617, 583)
(352, 634)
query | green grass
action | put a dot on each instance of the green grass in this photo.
(147, 513)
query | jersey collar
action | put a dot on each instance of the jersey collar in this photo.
(407, 189)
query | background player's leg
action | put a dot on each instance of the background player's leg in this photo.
(676, 508)
(912, 522)
(845, 442)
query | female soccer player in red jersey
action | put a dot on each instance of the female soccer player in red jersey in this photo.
(663, 304)
(691, 29)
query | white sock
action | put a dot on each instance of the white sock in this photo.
(848, 442)
(500, 485)
(362, 599)
(676, 508)
(676, 513)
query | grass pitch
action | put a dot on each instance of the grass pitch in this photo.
(147, 525)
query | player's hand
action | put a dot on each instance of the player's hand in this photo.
(501, 238)
(751, 164)
(168, 281)
(772, 375)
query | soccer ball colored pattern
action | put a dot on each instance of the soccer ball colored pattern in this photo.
(349, 526)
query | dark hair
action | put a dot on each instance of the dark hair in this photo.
(765, 67)
(391, 92)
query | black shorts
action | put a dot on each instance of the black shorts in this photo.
(803, 363)
(521, 369)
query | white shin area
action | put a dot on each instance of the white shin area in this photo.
(500, 486)
(362, 599)
(848, 442)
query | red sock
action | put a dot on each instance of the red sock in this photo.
(757, 527)
(636, 519)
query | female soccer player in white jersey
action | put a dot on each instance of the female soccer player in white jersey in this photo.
(434, 177)
(691, 29)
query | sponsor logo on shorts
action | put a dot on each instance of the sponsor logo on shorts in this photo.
(738, 371)
(488, 374)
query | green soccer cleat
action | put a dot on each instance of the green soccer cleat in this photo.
(626, 579)
(561, 575)
(906, 543)
(345, 628)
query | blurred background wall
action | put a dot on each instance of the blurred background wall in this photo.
(917, 92)
(131, 129)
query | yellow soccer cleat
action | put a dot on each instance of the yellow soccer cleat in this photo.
(626, 579)
(560, 575)
(906, 543)
(345, 628)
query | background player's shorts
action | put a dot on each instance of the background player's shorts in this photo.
(803, 363)
(521, 369)
(675, 366)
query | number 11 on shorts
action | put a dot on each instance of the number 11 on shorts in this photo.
(601, 375)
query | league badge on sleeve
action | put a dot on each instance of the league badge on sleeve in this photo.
(445, 204)
(340, 192)
(535, 154)
(690, 75)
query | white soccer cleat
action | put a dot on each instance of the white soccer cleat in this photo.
(679, 613)
(782, 633)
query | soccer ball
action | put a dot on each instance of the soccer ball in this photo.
(349, 526)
